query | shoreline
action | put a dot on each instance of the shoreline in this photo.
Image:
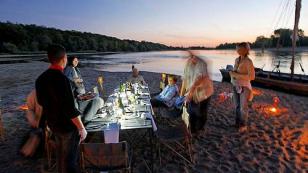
(273, 143)
(40, 54)
(45, 54)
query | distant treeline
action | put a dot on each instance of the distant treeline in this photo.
(17, 38)
(280, 38)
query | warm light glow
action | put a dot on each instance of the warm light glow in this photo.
(23, 107)
(100, 80)
(163, 76)
(256, 92)
(274, 110)
(222, 97)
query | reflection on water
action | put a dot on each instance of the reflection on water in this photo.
(173, 61)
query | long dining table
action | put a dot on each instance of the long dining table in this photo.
(128, 106)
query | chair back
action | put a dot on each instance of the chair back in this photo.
(104, 157)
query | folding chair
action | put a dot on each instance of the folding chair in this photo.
(105, 157)
(177, 139)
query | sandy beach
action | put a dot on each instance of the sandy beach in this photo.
(275, 142)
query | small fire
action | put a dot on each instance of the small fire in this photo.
(23, 107)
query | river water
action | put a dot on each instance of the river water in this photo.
(173, 61)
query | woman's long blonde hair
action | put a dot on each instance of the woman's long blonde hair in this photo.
(193, 71)
(244, 45)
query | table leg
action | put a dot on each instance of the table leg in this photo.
(151, 135)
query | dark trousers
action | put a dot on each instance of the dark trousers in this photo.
(157, 103)
(67, 146)
(197, 114)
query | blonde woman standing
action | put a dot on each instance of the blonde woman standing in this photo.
(197, 88)
(240, 78)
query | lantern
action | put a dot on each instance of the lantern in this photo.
(23, 107)
(100, 80)
(276, 101)
(273, 109)
(163, 76)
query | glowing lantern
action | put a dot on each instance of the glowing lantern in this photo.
(224, 96)
(273, 109)
(163, 76)
(275, 101)
(23, 107)
(162, 83)
(256, 92)
(100, 80)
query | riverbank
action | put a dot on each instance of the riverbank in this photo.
(275, 142)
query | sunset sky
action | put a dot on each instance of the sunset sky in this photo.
(171, 22)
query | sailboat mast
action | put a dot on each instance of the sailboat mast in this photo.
(295, 31)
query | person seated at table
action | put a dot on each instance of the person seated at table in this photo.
(88, 104)
(72, 72)
(169, 94)
(135, 77)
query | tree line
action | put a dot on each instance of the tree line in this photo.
(20, 38)
(280, 38)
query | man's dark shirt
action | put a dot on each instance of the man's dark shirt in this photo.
(55, 95)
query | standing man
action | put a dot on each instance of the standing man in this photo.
(54, 94)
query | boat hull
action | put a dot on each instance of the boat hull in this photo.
(276, 81)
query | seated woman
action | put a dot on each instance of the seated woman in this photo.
(168, 96)
(72, 72)
(136, 78)
(88, 107)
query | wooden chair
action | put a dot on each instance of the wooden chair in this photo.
(105, 157)
(177, 139)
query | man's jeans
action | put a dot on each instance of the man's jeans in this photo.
(67, 152)
(241, 106)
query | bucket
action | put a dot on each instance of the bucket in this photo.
(111, 133)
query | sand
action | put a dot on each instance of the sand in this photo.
(274, 142)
